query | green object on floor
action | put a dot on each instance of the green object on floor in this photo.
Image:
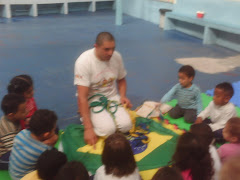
(4, 175)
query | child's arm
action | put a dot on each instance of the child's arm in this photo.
(199, 103)
(170, 94)
(204, 114)
(221, 151)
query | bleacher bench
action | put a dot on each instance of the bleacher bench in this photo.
(6, 5)
(225, 35)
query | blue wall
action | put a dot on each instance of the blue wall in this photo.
(222, 11)
(145, 9)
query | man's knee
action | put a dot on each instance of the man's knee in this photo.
(105, 130)
(125, 126)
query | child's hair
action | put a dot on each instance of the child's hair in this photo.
(73, 170)
(187, 70)
(49, 163)
(168, 173)
(194, 156)
(20, 84)
(234, 127)
(117, 156)
(11, 102)
(42, 121)
(230, 169)
(227, 88)
(204, 133)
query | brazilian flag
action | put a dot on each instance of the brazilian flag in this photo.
(158, 153)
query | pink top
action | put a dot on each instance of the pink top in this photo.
(186, 174)
(31, 107)
(228, 150)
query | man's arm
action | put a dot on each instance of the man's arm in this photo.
(122, 88)
(89, 134)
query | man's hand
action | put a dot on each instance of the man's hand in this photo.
(198, 120)
(125, 100)
(90, 136)
(51, 141)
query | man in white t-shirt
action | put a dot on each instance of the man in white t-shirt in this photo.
(97, 71)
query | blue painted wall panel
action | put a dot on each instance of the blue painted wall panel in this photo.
(145, 9)
(222, 11)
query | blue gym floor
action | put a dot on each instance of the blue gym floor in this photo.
(47, 46)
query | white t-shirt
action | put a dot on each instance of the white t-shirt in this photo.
(101, 175)
(99, 76)
(219, 115)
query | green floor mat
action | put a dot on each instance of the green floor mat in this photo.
(4, 175)
(180, 123)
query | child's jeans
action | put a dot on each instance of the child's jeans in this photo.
(189, 115)
(218, 133)
(4, 161)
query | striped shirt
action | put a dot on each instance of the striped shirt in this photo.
(8, 130)
(24, 155)
(188, 98)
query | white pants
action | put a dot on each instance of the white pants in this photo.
(105, 125)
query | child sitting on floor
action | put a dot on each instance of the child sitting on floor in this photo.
(187, 94)
(14, 109)
(73, 170)
(205, 134)
(192, 158)
(118, 160)
(231, 133)
(220, 110)
(48, 165)
(23, 85)
(29, 144)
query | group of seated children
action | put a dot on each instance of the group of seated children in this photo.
(27, 137)
(20, 147)
(18, 106)
(189, 105)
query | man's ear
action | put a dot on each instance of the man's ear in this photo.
(95, 45)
